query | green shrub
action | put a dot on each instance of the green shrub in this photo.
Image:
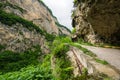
(11, 19)
(59, 25)
(63, 69)
(73, 31)
(11, 61)
(39, 72)
(3, 5)
(1, 47)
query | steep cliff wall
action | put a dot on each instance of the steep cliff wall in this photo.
(35, 11)
(97, 20)
(27, 23)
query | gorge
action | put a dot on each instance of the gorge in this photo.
(35, 46)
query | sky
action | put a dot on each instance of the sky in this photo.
(62, 10)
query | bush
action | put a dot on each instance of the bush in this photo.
(2, 5)
(59, 25)
(1, 47)
(39, 72)
(63, 69)
(11, 61)
(74, 31)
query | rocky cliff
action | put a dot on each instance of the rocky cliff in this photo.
(97, 20)
(27, 23)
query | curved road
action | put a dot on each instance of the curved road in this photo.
(112, 56)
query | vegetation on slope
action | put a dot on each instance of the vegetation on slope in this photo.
(53, 66)
(11, 19)
(59, 25)
(12, 61)
(47, 8)
(3, 5)
(43, 70)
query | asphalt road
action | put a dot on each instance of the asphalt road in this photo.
(112, 56)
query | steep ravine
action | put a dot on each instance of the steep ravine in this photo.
(35, 46)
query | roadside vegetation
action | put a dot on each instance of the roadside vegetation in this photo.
(34, 65)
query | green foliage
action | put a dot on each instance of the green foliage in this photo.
(49, 37)
(47, 8)
(59, 25)
(101, 61)
(1, 47)
(83, 42)
(84, 75)
(73, 31)
(2, 5)
(39, 72)
(63, 69)
(11, 61)
(76, 2)
(86, 51)
(11, 19)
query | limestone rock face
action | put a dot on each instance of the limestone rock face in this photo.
(97, 20)
(18, 38)
(37, 12)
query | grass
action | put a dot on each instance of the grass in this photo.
(101, 61)
(85, 51)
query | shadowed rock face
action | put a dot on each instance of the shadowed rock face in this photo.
(97, 20)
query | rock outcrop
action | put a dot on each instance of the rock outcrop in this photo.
(35, 11)
(27, 23)
(97, 20)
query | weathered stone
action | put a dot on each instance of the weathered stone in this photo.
(98, 20)
(36, 11)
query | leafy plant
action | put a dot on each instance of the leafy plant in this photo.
(1, 47)
(73, 31)
(11, 61)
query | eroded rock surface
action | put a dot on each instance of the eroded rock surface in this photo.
(97, 20)
(37, 12)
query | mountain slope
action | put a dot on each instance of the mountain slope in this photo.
(26, 23)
